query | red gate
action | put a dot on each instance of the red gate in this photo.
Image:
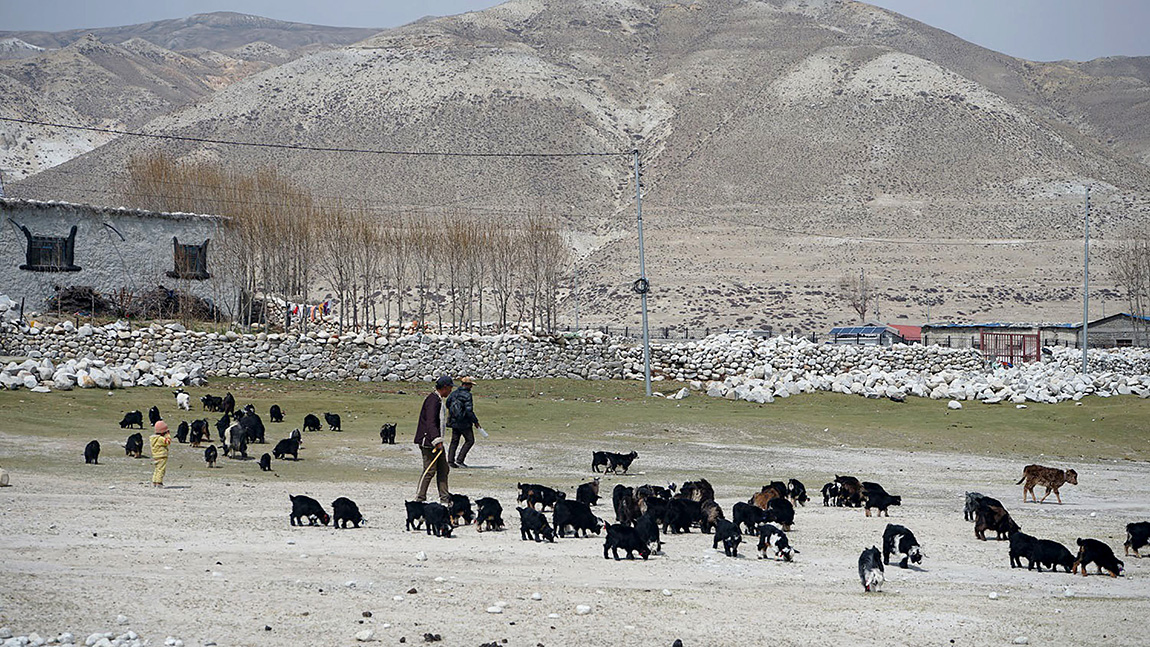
(1010, 348)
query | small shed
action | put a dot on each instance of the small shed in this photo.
(911, 334)
(48, 244)
(868, 335)
(1114, 331)
(1119, 330)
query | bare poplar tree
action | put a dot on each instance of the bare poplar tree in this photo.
(857, 292)
(504, 248)
(398, 246)
(1129, 265)
(335, 255)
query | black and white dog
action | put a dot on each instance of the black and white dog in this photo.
(899, 540)
(831, 492)
(773, 540)
(870, 570)
(615, 461)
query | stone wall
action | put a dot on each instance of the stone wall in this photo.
(730, 366)
(319, 355)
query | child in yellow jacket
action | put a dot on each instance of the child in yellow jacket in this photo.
(160, 441)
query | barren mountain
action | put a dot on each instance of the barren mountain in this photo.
(126, 76)
(16, 48)
(99, 84)
(783, 145)
(1108, 98)
(220, 31)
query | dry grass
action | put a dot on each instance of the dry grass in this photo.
(539, 421)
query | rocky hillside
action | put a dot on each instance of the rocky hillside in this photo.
(16, 48)
(126, 76)
(219, 31)
(784, 144)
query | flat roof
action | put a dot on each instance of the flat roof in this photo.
(9, 205)
(859, 330)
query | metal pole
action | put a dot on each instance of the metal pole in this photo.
(643, 284)
(1085, 278)
(576, 297)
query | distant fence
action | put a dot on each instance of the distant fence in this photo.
(671, 333)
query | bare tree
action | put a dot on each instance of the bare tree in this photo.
(857, 293)
(266, 243)
(272, 246)
(398, 246)
(336, 248)
(505, 247)
(1129, 265)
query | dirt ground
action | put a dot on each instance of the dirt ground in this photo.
(213, 558)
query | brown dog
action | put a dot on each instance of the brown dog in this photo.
(1050, 478)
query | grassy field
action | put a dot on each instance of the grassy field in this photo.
(48, 432)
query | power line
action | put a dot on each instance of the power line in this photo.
(33, 183)
(322, 149)
(341, 201)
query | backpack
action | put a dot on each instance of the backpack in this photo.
(455, 410)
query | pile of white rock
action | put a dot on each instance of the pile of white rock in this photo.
(762, 370)
(80, 362)
(41, 375)
(104, 639)
(736, 366)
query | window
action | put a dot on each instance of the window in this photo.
(190, 261)
(1124, 343)
(49, 253)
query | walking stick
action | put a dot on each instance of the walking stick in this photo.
(433, 461)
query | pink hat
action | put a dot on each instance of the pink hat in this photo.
(161, 426)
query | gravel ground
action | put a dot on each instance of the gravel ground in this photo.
(213, 559)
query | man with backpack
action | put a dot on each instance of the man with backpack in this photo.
(461, 418)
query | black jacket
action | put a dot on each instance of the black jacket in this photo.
(461, 409)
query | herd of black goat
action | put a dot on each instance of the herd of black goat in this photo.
(646, 513)
(238, 428)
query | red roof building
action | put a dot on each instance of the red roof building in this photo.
(912, 334)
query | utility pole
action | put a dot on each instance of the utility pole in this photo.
(642, 286)
(576, 296)
(1085, 278)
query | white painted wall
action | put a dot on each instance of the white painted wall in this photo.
(107, 263)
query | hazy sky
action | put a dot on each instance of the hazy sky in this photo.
(1033, 29)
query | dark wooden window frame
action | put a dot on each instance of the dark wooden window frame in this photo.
(49, 253)
(190, 262)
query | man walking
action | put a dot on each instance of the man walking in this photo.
(429, 433)
(461, 418)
